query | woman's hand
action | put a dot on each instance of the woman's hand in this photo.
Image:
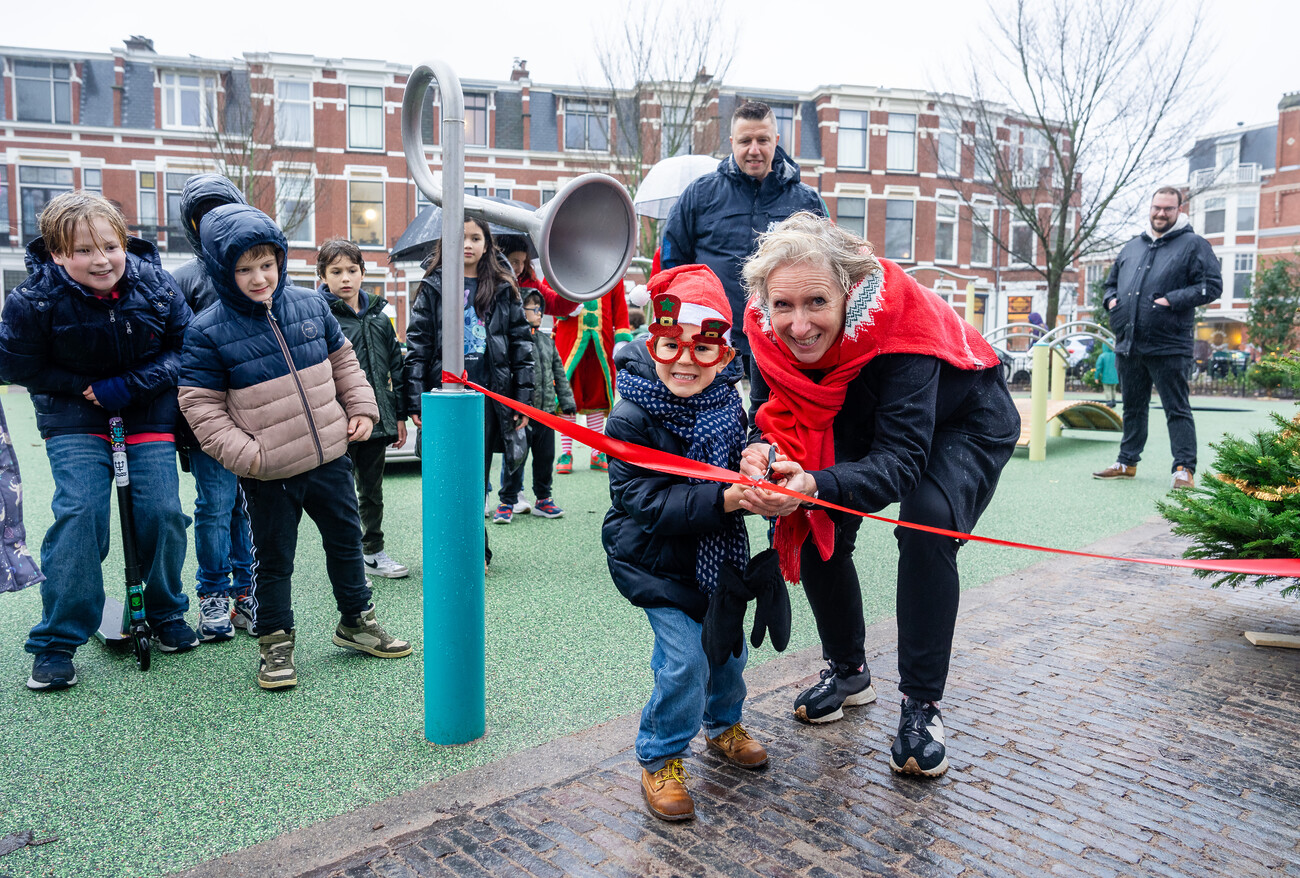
(753, 460)
(769, 503)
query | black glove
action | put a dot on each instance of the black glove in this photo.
(763, 579)
(571, 410)
(723, 632)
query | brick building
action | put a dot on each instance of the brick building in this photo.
(316, 142)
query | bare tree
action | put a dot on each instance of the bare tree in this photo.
(668, 57)
(1079, 109)
(277, 169)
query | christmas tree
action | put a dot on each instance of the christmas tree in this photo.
(1250, 506)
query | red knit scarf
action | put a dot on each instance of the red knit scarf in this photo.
(888, 313)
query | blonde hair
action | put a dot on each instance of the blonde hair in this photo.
(810, 239)
(62, 215)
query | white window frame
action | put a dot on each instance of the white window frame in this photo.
(864, 129)
(367, 113)
(952, 203)
(60, 90)
(948, 140)
(895, 147)
(676, 114)
(471, 114)
(1015, 260)
(147, 198)
(1216, 204)
(294, 184)
(862, 198)
(1254, 218)
(297, 104)
(985, 210)
(173, 91)
(1243, 264)
(352, 226)
(56, 187)
(588, 112)
(910, 256)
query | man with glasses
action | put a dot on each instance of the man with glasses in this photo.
(1154, 288)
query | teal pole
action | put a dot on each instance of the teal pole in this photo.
(455, 709)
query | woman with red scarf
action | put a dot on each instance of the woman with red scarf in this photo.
(874, 392)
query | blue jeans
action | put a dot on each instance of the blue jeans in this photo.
(75, 546)
(688, 693)
(1137, 374)
(222, 542)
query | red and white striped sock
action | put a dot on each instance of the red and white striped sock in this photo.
(566, 442)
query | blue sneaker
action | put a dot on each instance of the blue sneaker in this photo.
(52, 671)
(214, 619)
(503, 514)
(175, 636)
(547, 509)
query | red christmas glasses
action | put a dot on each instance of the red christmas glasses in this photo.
(669, 350)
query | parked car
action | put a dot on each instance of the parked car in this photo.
(1225, 363)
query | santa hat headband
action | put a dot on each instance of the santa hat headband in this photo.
(690, 294)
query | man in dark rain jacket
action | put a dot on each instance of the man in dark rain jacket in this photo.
(1154, 287)
(719, 216)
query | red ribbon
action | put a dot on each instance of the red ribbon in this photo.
(672, 464)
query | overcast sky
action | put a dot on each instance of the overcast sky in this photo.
(783, 45)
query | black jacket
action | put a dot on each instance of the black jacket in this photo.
(1179, 266)
(202, 192)
(380, 354)
(720, 215)
(56, 339)
(651, 532)
(906, 416)
(509, 353)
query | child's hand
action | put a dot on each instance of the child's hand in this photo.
(401, 434)
(521, 421)
(89, 394)
(415, 419)
(769, 503)
(359, 428)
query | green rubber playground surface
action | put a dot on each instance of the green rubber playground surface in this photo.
(142, 774)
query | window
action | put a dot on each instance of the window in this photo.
(1095, 273)
(1242, 274)
(784, 114)
(36, 186)
(945, 230)
(293, 112)
(1225, 154)
(546, 191)
(476, 120)
(901, 152)
(853, 139)
(948, 146)
(986, 155)
(981, 242)
(177, 241)
(295, 207)
(1033, 153)
(586, 125)
(366, 210)
(1022, 243)
(43, 92)
(851, 214)
(92, 180)
(505, 193)
(148, 207)
(1246, 218)
(365, 117)
(4, 211)
(1214, 216)
(675, 133)
(189, 100)
(898, 229)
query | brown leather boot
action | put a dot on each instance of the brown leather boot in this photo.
(665, 792)
(738, 748)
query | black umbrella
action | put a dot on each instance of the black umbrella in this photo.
(417, 241)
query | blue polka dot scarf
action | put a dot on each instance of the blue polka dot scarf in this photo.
(712, 424)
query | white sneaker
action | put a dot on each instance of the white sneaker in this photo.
(214, 619)
(523, 507)
(379, 564)
(489, 506)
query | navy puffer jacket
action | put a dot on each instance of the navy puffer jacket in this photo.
(201, 194)
(57, 339)
(268, 388)
(652, 530)
(719, 217)
(1179, 266)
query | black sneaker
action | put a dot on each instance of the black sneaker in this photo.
(840, 685)
(175, 636)
(51, 671)
(919, 749)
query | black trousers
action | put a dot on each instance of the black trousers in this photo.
(541, 446)
(275, 509)
(368, 472)
(927, 594)
(1138, 373)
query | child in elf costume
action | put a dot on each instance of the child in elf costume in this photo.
(585, 335)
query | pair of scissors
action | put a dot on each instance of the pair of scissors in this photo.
(771, 459)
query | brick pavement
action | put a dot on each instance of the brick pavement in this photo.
(1103, 719)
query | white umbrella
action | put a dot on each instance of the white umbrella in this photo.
(665, 182)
